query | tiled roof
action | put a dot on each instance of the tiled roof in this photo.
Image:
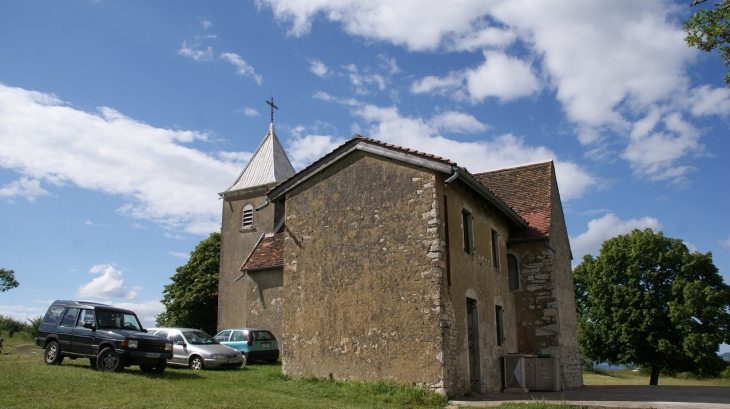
(268, 253)
(528, 190)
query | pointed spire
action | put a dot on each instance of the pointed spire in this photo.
(269, 164)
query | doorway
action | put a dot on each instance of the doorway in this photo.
(472, 333)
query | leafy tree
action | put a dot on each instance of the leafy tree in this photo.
(192, 298)
(7, 280)
(709, 29)
(646, 300)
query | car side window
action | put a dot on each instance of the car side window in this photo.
(69, 319)
(86, 317)
(175, 338)
(162, 334)
(238, 336)
(262, 336)
(223, 336)
(53, 316)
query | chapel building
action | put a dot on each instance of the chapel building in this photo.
(378, 262)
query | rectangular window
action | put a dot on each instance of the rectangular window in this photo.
(468, 235)
(500, 325)
(495, 249)
(513, 272)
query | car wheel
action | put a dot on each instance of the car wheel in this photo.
(160, 368)
(53, 355)
(196, 363)
(109, 361)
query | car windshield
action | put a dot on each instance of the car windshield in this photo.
(199, 338)
(117, 320)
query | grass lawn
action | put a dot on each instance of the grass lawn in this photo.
(626, 377)
(27, 382)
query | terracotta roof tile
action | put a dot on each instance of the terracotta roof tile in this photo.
(268, 253)
(526, 189)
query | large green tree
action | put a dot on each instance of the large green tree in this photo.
(709, 29)
(7, 280)
(192, 298)
(647, 300)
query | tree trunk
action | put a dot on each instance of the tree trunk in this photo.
(654, 379)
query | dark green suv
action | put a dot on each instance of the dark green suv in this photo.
(112, 338)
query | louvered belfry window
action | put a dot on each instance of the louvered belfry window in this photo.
(247, 217)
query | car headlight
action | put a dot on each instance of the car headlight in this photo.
(129, 343)
(168, 347)
(218, 356)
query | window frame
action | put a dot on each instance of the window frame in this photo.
(495, 249)
(468, 230)
(247, 218)
(513, 274)
(499, 317)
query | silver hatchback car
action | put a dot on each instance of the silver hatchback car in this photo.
(197, 350)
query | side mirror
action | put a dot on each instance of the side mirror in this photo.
(90, 326)
(144, 329)
(180, 343)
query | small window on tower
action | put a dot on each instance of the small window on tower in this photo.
(247, 217)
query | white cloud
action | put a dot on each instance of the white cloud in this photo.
(235, 157)
(387, 125)
(608, 62)
(206, 24)
(146, 311)
(416, 24)
(725, 243)
(654, 154)
(109, 284)
(318, 68)
(30, 189)
(193, 50)
(457, 122)
(608, 226)
(179, 255)
(705, 100)
(248, 111)
(500, 76)
(23, 312)
(242, 67)
(303, 150)
(363, 83)
(160, 179)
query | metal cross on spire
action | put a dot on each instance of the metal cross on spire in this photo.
(271, 103)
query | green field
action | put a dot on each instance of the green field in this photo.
(26, 382)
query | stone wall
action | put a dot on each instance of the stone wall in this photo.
(572, 374)
(236, 299)
(474, 276)
(361, 277)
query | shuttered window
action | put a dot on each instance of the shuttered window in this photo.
(247, 217)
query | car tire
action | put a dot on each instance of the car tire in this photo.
(52, 355)
(109, 361)
(160, 368)
(196, 363)
(157, 369)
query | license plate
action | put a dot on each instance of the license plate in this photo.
(152, 355)
(266, 345)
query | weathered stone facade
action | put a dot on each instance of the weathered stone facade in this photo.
(395, 267)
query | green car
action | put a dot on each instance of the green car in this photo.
(254, 343)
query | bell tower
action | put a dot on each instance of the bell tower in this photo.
(246, 217)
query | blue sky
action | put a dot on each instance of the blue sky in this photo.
(120, 121)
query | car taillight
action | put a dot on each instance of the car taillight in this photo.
(250, 339)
